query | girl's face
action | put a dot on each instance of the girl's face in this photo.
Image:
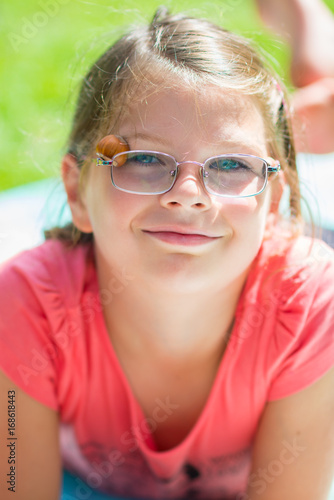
(186, 239)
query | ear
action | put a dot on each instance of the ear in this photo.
(71, 179)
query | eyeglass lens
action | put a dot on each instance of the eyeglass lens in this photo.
(235, 175)
(143, 172)
(229, 175)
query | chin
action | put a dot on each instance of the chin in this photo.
(183, 274)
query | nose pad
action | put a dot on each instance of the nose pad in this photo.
(204, 173)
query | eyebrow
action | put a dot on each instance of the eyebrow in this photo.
(164, 142)
(148, 137)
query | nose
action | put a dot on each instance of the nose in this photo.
(188, 190)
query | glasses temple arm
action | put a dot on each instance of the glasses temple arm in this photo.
(274, 168)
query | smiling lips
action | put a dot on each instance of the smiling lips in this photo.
(181, 238)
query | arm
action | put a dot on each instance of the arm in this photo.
(293, 454)
(37, 456)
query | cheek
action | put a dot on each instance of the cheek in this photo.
(244, 214)
(247, 221)
(111, 211)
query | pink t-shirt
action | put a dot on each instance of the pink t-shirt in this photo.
(55, 346)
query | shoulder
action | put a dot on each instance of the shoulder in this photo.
(298, 277)
(293, 289)
(41, 320)
(288, 300)
(48, 269)
(291, 268)
(45, 286)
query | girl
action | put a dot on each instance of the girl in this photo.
(178, 334)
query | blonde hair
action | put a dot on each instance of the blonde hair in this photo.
(174, 50)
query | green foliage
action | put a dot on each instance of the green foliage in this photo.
(45, 48)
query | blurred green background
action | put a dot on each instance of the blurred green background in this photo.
(46, 46)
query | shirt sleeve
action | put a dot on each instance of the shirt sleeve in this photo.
(28, 354)
(304, 335)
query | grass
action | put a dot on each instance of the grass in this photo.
(45, 48)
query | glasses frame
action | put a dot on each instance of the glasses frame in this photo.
(270, 169)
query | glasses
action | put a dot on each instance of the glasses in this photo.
(151, 172)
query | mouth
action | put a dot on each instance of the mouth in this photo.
(181, 238)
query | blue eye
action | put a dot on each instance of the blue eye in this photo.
(145, 159)
(229, 164)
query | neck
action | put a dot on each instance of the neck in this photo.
(171, 326)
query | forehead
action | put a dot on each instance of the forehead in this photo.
(212, 116)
